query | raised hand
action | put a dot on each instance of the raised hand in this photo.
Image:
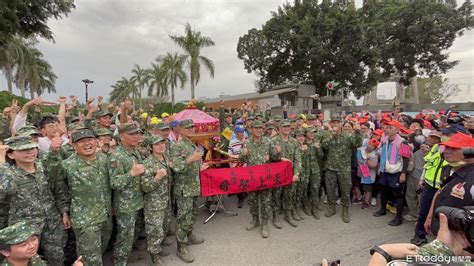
(160, 174)
(100, 99)
(56, 143)
(62, 99)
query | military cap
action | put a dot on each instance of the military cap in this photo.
(285, 123)
(162, 126)
(74, 119)
(311, 117)
(27, 131)
(20, 143)
(250, 118)
(256, 124)
(103, 113)
(75, 126)
(258, 114)
(155, 139)
(336, 118)
(277, 118)
(81, 134)
(17, 233)
(186, 123)
(103, 132)
(227, 114)
(269, 126)
(129, 128)
(299, 132)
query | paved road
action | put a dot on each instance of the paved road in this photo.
(227, 241)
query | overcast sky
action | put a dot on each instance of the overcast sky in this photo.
(102, 40)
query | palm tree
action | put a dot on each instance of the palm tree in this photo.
(10, 56)
(122, 89)
(172, 65)
(155, 80)
(139, 78)
(41, 77)
(191, 43)
(25, 67)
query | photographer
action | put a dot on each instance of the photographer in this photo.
(448, 243)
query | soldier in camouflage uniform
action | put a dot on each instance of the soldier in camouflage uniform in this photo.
(156, 185)
(125, 169)
(25, 193)
(288, 149)
(186, 163)
(314, 173)
(302, 185)
(87, 175)
(104, 137)
(339, 147)
(258, 150)
(12, 239)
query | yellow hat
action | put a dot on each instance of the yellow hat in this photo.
(163, 115)
(155, 120)
(144, 115)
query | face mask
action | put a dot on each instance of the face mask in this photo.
(457, 164)
(420, 139)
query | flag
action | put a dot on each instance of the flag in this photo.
(331, 85)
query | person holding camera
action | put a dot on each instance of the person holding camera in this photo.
(458, 190)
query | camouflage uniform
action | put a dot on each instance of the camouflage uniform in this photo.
(128, 197)
(435, 248)
(302, 185)
(157, 204)
(90, 202)
(16, 234)
(285, 197)
(28, 196)
(187, 185)
(338, 169)
(314, 172)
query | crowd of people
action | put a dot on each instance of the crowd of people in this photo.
(81, 180)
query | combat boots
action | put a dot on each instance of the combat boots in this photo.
(345, 214)
(156, 260)
(295, 216)
(254, 223)
(194, 240)
(331, 211)
(183, 253)
(264, 228)
(307, 210)
(276, 220)
(288, 219)
(300, 214)
(166, 242)
(315, 212)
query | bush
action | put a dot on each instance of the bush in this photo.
(6, 99)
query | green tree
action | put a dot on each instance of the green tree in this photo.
(313, 43)
(10, 55)
(42, 77)
(192, 42)
(433, 90)
(139, 78)
(26, 18)
(172, 65)
(155, 77)
(123, 89)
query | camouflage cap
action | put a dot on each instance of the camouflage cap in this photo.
(27, 131)
(17, 233)
(310, 129)
(74, 119)
(129, 128)
(258, 114)
(103, 113)
(155, 139)
(311, 117)
(257, 123)
(292, 120)
(75, 126)
(186, 123)
(20, 143)
(299, 132)
(103, 132)
(269, 126)
(81, 134)
(227, 114)
(250, 118)
(161, 126)
(277, 118)
(285, 123)
(336, 118)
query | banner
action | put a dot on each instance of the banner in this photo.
(244, 179)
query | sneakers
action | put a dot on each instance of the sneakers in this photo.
(338, 201)
(365, 205)
(416, 240)
(391, 208)
(373, 202)
(357, 201)
(410, 218)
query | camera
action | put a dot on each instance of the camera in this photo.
(460, 220)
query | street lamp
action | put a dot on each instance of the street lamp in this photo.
(87, 82)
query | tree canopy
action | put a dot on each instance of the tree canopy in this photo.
(314, 43)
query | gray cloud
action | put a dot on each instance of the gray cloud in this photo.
(102, 40)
